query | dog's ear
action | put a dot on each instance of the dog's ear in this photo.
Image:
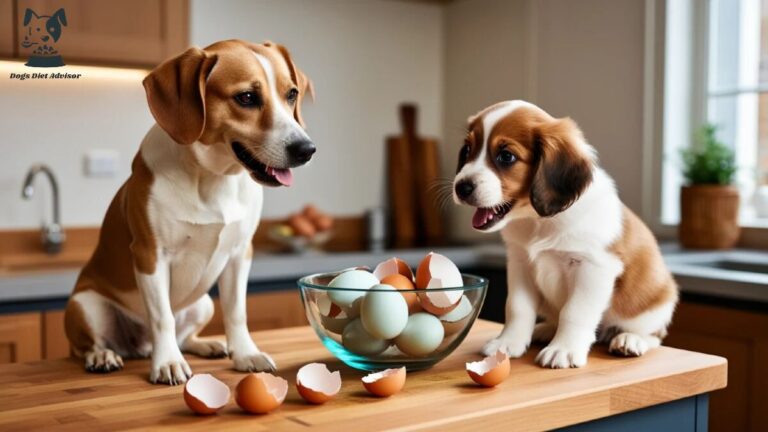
(176, 94)
(303, 83)
(61, 16)
(28, 14)
(563, 166)
(54, 24)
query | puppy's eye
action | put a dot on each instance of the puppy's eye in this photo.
(464, 154)
(249, 99)
(506, 157)
(292, 96)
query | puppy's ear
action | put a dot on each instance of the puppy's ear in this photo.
(54, 24)
(303, 83)
(176, 94)
(61, 16)
(564, 165)
(28, 14)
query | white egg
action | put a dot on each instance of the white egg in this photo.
(421, 336)
(353, 279)
(384, 314)
(359, 341)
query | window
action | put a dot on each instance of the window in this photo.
(716, 70)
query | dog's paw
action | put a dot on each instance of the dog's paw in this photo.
(560, 356)
(205, 348)
(171, 372)
(511, 347)
(102, 361)
(544, 332)
(257, 362)
(628, 345)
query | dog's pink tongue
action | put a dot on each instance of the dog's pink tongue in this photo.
(283, 175)
(482, 215)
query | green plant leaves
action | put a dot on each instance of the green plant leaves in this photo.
(709, 161)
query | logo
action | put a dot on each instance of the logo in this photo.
(41, 32)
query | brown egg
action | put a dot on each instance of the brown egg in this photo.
(490, 371)
(310, 211)
(393, 266)
(323, 223)
(385, 383)
(316, 384)
(260, 393)
(403, 283)
(205, 395)
(302, 226)
(437, 271)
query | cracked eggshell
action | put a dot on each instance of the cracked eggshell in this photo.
(384, 312)
(401, 282)
(336, 324)
(260, 393)
(359, 341)
(204, 394)
(490, 371)
(355, 280)
(316, 384)
(325, 306)
(437, 271)
(456, 319)
(385, 383)
(393, 266)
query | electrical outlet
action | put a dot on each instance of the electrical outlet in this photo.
(101, 163)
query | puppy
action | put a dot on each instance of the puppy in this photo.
(228, 122)
(576, 256)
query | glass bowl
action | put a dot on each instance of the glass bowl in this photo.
(341, 330)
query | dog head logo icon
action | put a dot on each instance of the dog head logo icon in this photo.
(41, 33)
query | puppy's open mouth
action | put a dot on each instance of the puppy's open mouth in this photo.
(261, 172)
(486, 217)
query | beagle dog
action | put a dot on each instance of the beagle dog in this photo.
(576, 256)
(228, 122)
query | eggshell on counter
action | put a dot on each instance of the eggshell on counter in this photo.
(316, 384)
(401, 282)
(393, 266)
(359, 341)
(456, 319)
(385, 383)
(205, 395)
(384, 312)
(437, 271)
(421, 336)
(490, 371)
(355, 280)
(260, 393)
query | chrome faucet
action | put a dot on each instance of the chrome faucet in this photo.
(52, 234)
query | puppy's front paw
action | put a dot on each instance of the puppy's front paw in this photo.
(102, 361)
(628, 345)
(512, 347)
(560, 356)
(258, 362)
(205, 348)
(171, 372)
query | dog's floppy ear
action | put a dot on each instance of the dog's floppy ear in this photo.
(564, 165)
(28, 14)
(303, 83)
(58, 18)
(176, 94)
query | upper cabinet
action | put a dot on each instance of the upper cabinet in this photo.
(139, 33)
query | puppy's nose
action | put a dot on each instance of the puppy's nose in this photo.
(301, 151)
(464, 189)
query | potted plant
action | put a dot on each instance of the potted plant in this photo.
(709, 203)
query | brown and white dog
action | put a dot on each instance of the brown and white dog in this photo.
(576, 256)
(228, 121)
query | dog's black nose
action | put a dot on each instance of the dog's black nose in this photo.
(301, 151)
(464, 189)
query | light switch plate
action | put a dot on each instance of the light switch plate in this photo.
(101, 163)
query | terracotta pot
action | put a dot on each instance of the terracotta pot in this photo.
(709, 217)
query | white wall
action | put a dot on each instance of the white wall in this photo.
(365, 57)
(582, 59)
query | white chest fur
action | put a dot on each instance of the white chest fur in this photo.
(200, 219)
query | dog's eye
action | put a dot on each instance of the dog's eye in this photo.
(464, 154)
(506, 157)
(292, 95)
(249, 99)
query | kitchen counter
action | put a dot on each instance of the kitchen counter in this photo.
(666, 387)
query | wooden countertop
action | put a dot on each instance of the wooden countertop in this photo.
(59, 395)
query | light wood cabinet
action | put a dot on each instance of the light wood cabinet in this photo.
(265, 311)
(138, 33)
(20, 337)
(742, 338)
